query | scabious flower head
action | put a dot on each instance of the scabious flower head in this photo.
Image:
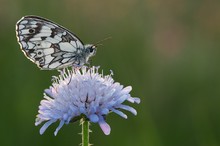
(83, 92)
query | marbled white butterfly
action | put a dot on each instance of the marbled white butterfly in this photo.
(50, 45)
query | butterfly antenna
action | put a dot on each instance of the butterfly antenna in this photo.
(98, 45)
(99, 42)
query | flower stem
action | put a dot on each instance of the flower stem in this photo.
(85, 132)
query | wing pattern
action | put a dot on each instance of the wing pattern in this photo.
(48, 44)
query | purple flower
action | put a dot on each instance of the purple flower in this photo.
(83, 92)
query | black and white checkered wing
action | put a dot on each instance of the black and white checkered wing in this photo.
(46, 43)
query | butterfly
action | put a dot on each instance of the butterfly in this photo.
(51, 46)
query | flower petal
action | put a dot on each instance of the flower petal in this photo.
(58, 128)
(46, 125)
(94, 118)
(134, 100)
(122, 99)
(128, 108)
(126, 90)
(105, 127)
(120, 113)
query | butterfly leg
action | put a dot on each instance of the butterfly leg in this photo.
(89, 63)
(70, 78)
(71, 73)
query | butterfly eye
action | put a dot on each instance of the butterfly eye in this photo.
(91, 49)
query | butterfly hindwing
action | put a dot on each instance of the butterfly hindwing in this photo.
(46, 43)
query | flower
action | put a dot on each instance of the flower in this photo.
(84, 92)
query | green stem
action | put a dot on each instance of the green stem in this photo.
(85, 132)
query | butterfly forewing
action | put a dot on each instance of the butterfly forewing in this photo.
(47, 44)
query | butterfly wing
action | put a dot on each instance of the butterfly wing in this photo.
(47, 44)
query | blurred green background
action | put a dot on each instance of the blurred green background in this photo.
(167, 50)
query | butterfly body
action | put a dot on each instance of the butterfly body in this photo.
(50, 45)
